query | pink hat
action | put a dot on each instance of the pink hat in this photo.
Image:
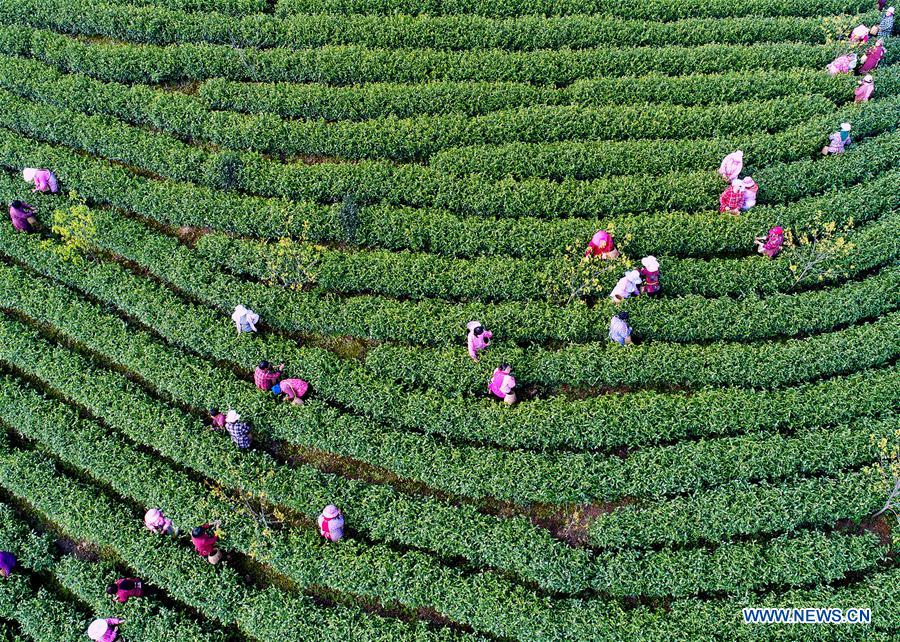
(601, 238)
(748, 182)
(97, 629)
(471, 325)
(331, 511)
(890, 11)
(776, 230)
(28, 174)
(153, 516)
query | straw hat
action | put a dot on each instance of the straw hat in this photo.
(331, 511)
(232, 417)
(97, 629)
(650, 263)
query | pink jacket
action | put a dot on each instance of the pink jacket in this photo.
(45, 181)
(864, 91)
(502, 383)
(478, 343)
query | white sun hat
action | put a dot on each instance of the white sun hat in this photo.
(232, 417)
(650, 263)
(97, 629)
(331, 511)
(845, 127)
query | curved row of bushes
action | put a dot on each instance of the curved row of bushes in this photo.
(420, 137)
(161, 26)
(375, 100)
(659, 10)
(352, 65)
(591, 160)
(419, 276)
(739, 509)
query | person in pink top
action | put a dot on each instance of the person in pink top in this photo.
(871, 58)
(864, 91)
(204, 539)
(838, 141)
(478, 338)
(331, 523)
(771, 244)
(292, 389)
(156, 522)
(601, 245)
(22, 216)
(104, 630)
(43, 179)
(502, 385)
(265, 376)
(125, 588)
(750, 191)
(842, 64)
(216, 418)
(732, 165)
(733, 198)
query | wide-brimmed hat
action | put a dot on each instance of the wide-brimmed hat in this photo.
(737, 183)
(232, 417)
(776, 230)
(845, 127)
(868, 78)
(28, 174)
(650, 263)
(471, 325)
(634, 276)
(331, 511)
(748, 182)
(97, 629)
(153, 515)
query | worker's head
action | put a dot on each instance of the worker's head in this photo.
(28, 174)
(478, 331)
(868, 79)
(505, 367)
(623, 315)
(890, 11)
(18, 205)
(213, 412)
(112, 589)
(198, 531)
(845, 127)
(738, 185)
(264, 365)
(98, 629)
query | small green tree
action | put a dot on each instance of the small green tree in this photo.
(821, 251)
(887, 471)
(75, 227)
(292, 264)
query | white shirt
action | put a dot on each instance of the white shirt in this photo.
(624, 288)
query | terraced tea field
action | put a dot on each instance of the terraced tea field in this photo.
(371, 175)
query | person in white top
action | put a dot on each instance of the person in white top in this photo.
(626, 287)
(245, 319)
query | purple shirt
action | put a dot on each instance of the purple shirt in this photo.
(7, 562)
(19, 219)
